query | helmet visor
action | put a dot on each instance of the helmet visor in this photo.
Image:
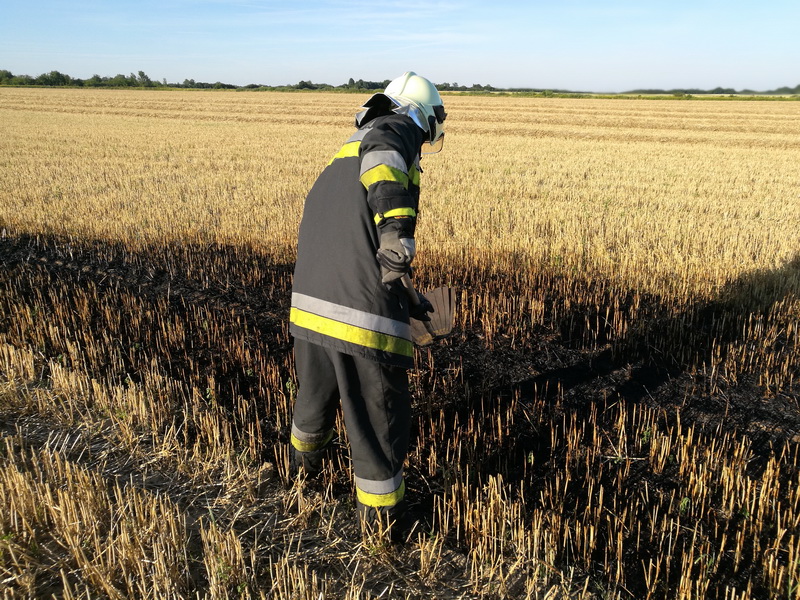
(435, 147)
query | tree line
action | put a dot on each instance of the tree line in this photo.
(142, 80)
(717, 91)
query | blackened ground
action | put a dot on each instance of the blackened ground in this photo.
(247, 295)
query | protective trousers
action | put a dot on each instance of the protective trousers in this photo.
(376, 404)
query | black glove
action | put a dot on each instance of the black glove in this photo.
(395, 255)
(421, 310)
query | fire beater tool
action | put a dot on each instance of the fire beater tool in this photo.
(443, 300)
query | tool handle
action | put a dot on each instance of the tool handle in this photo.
(413, 298)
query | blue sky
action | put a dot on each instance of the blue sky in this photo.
(612, 45)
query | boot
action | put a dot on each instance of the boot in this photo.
(309, 463)
(393, 521)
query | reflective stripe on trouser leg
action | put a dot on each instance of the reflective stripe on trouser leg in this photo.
(314, 411)
(374, 493)
(377, 411)
(308, 442)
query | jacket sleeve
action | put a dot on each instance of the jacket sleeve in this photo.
(389, 171)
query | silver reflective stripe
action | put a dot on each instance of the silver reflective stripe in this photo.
(351, 316)
(390, 158)
(359, 135)
(311, 438)
(386, 486)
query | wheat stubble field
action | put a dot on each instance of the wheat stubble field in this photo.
(616, 416)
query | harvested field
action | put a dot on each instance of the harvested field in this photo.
(616, 416)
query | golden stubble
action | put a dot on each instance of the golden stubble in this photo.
(135, 468)
(675, 198)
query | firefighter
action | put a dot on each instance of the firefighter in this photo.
(350, 312)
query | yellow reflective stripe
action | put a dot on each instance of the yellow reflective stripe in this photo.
(389, 499)
(302, 446)
(395, 212)
(351, 333)
(384, 173)
(400, 212)
(348, 150)
(413, 175)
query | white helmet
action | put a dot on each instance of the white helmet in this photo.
(421, 101)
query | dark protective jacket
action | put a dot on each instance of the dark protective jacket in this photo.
(338, 299)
